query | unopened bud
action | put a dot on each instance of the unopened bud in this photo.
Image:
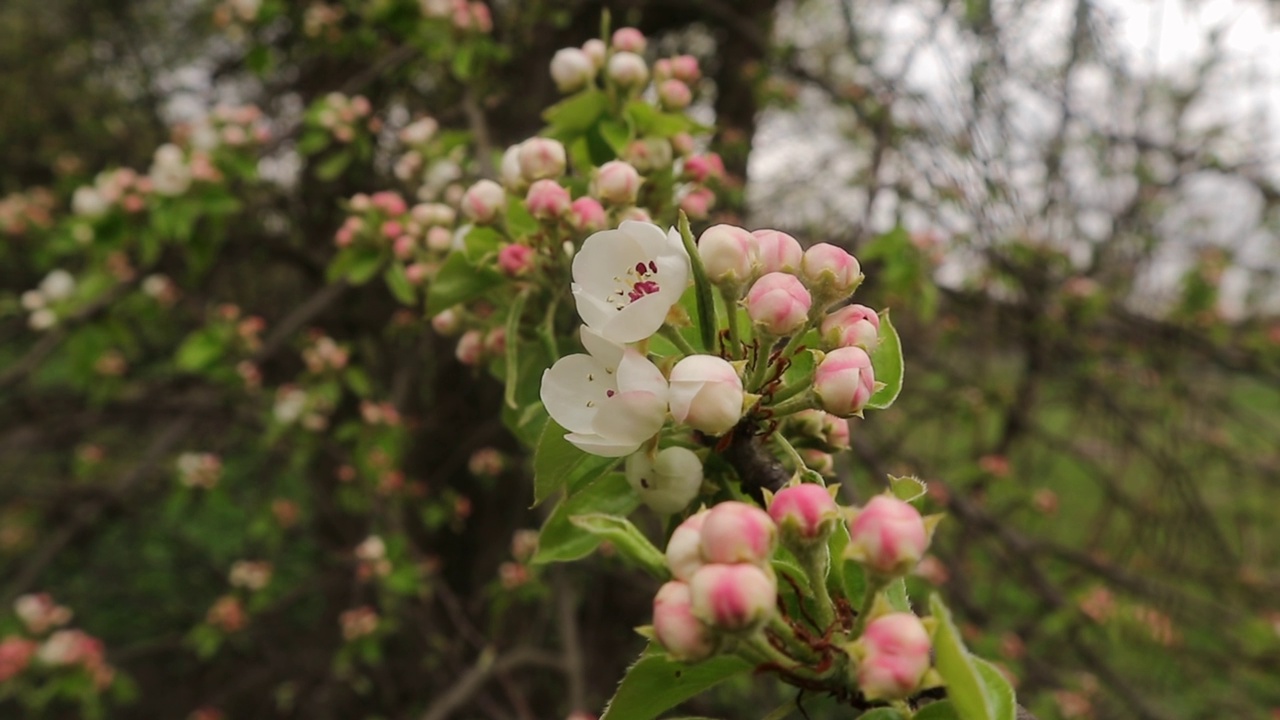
(541, 158)
(844, 381)
(668, 482)
(829, 271)
(778, 251)
(628, 70)
(894, 656)
(586, 214)
(684, 549)
(733, 597)
(778, 304)
(682, 634)
(888, 536)
(515, 260)
(805, 512)
(706, 394)
(483, 201)
(547, 200)
(674, 95)
(629, 39)
(852, 325)
(616, 183)
(736, 532)
(572, 69)
(728, 253)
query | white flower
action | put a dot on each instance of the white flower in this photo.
(170, 174)
(706, 394)
(58, 285)
(88, 202)
(667, 482)
(610, 401)
(625, 280)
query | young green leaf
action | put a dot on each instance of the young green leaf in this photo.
(627, 538)
(886, 359)
(656, 683)
(557, 464)
(561, 540)
(457, 282)
(965, 687)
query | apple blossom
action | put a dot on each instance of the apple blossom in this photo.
(15, 656)
(572, 69)
(888, 536)
(706, 394)
(57, 285)
(509, 170)
(169, 173)
(419, 131)
(483, 201)
(470, 348)
(685, 68)
(635, 214)
(628, 70)
(668, 482)
(446, 322)
(439, 239)
(829, 271)
(611, 400)
(737, 532)
(617, 183)
(778, 251)
(515, 260)
(88, 202)
(894, 652)
(704, 167)
(684, 549)
(596, 50)
(625, 280)
(683, 635)
(732, 597)
(697, 203)
(547, 200)
(844, 381)
(433, 214)
(541, 158)
(649, 154)
(628, 39)
(851, 325)
(587, 214)
(805, 512)
(728, 253)
(778, 304)
(674, 95)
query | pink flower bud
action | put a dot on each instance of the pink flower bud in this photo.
(596, 50)
(392, 229)
(446, 322)
(805, 512)
(439, 239)
(888, 536)
(403, 247)
(360, 203)
(844, 381)
(706, 394)
(662, 70)
(628, 39)
(894, 656)
(728, 253)
(852, 325)
(684, 636)
(668, 482)
(830, 270)
(732, 597)
(684, 549)
(495, 343)
(778, 251)
(515, 260)
(15, 656)
(430, 214)
(778, 303)
(628, 70)
(697, 203)
(736, 532)
(344, 237)
(682, 143)
(470, 348)
(586, 214)
(818, 461)
(685, 68)
(389, 202)
(541, 158)
(649, 155)
(674, 95)
(547, 200)
(417, 273)
(704, 167)
(617, 183)
(483, 201)
(572, 69)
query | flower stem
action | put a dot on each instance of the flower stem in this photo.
(816, 560)
(675, 337)
(790, 391)
(760, 367)
(790, 451)
(793, 405)
(731, 309)
(875, 584)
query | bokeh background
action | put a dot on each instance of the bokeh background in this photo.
(1071, 207)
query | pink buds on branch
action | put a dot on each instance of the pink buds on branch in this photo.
(844, 381)
(892, 656)
(888, 536)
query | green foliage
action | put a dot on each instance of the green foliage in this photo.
(655, 683)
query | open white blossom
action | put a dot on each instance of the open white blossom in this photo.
(611, 401)
(625, 280)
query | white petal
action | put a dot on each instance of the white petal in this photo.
(635, 372)
(637, 321)
(632, 416)
(648, 236)
(573, 390)
(597, 445)
(593, 309)
(681, 397)
(608, 352)
(604, 256)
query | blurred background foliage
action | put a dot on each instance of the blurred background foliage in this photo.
(1079, 254)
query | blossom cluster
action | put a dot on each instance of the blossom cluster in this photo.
(45, 645)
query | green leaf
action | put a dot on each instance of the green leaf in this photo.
(200, 351)
(853, 578)
(457, 282)
(706, 299)
(399, 285)
(561, 540)
(358, 380)
(656, 683)
(313, 141)
(557, 464)
(628, 539)
(965, 687)
(616, 134)
(942, 710)
(896, 594)
(882, 714)
(481, 241)
(576, 114)
(907, 489)
(511, 378)
(886, 360)
(999, 691)
(365, 263)
(333, 166)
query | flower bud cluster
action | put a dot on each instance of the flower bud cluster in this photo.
(20, 212)
(43, 642)
(343, 117)
(723, 582)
